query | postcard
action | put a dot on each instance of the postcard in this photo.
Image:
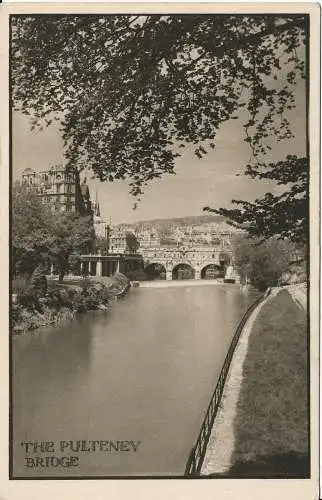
(160, 250)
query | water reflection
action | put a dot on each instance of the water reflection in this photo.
(144, 371)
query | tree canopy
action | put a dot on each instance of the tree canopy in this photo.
(262, 264)
(40, 236)
(31, 230)
(284, 215)
(131, 91)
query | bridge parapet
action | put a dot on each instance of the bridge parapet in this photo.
(195, 257)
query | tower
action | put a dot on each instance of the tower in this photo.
(99, 223)
(96, 207)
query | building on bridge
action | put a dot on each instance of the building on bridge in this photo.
(186, 262)
(148, 237)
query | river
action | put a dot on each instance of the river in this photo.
(143, 372)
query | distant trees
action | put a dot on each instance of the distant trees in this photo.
(132, 244)
(73, 235)
(101, 245)
(40, 236)
(262, 263)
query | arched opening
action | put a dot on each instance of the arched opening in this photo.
(183, 272)
(212, 272)
(155, 271)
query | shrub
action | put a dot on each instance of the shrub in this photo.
(16, 313)
(262, 263)
(91, 302)
(21, 286)
(105, 295)
(38, 282)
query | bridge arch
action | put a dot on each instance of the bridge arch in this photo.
(155, 271)
(183, 271)
(212, 271)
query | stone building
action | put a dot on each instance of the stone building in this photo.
(122, 242)
(148, 238)
(60, 188)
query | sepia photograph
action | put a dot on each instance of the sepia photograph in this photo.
(160, 256)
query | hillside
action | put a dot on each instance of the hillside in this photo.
(177, 221)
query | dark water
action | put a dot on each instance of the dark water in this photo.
(144, 371)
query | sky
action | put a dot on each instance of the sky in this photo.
(210, 181)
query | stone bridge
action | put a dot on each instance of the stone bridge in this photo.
(198, 259)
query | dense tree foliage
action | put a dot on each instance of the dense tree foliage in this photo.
(132, 244)
(74, 235)
(101, 245)
(284, 215)
(131, 91)
(40, 236)
(262, 264)
(31, 231)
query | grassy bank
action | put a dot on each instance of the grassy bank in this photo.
(271, 424)
(61, 301)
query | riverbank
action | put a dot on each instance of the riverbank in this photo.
(62, 301)
(261, 428)
(147, 367)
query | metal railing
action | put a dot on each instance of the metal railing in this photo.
(198, 452)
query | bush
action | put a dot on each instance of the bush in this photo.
(262, 263)
(59, 296)
(38, 282)
(91, 302)
(61, 301)
(105, 296)
(90, 296)
(22, 287)
(16, 313)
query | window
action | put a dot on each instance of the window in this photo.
(57, 188)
